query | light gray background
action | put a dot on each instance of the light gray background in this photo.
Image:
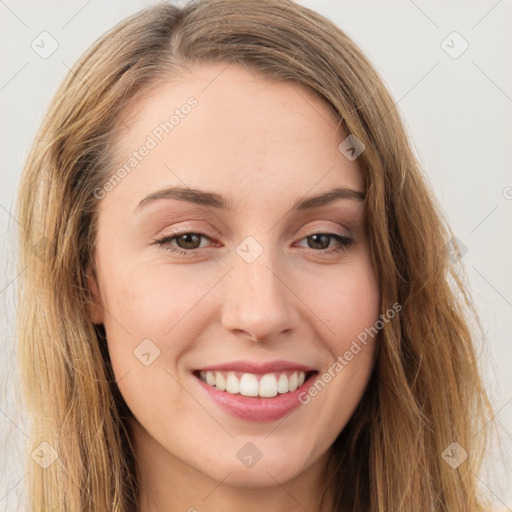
(457, 110)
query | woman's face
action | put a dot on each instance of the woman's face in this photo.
(208, 269)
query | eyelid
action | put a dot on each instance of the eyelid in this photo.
(187, 228)
(331, 231)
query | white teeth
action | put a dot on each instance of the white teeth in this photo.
(220, 381)
(282, 384)
(293, 382)
(249, 385)
(268, 386)
(232, 384)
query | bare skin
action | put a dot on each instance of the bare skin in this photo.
(262, 146)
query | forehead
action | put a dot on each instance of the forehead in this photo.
(243, 132)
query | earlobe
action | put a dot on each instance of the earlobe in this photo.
(96, 311)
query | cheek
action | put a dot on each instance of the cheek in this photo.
(349, 306)
(359, 303)
(155, 314)
(150, 310)
(152, 300)
(346, 304)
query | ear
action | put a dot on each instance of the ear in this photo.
(96, 311)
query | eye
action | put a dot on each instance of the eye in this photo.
(322, 242)
(187, 243)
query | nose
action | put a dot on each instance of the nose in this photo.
(260, 303)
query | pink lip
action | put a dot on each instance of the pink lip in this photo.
(250, 367)
(257, 409)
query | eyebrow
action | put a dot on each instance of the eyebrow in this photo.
(213, 200)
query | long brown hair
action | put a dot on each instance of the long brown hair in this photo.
(425, 392)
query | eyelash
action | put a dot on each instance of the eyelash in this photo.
(343, 242)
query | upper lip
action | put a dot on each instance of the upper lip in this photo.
(252, 367)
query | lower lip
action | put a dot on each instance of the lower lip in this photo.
(257, 409)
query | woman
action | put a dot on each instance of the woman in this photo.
(243, 298)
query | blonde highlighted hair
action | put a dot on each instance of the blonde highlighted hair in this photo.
(425, 391)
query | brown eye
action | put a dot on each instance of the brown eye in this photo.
(319, 241)
(322, 242)
(185, 243)
(189, 241)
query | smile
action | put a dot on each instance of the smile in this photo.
(256, 391)
(265, 385)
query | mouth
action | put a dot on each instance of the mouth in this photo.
(256, 392)
(263, 385)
